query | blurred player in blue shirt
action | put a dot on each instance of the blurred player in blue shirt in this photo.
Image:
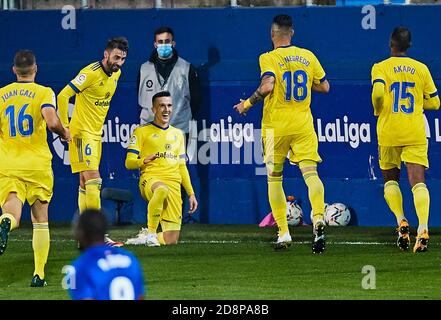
(102, 272)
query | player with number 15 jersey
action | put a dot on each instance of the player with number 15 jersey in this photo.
(402, 88)
(407, 84)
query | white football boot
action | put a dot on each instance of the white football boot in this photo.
(140, 239)
(283, 241)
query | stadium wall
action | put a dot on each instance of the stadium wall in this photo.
(224, 44)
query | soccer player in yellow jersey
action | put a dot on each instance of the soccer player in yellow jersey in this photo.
(93, 89)
(158, 150)
(402, 89)
(25, 158)
(288, 75)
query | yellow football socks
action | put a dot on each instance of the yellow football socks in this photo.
(155, 207)
(421, 199)
(10, 217)
(93, 189)
(316, 194)
(40, 245)
(82, 200)
(394, 199)
(277, 201)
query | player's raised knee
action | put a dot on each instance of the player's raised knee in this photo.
(162, 192)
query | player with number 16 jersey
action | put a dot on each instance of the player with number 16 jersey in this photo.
(26, 110)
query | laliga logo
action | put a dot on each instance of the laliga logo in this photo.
(59, 146)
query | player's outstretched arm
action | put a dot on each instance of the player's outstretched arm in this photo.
(63, 104)
(54, 123)
(265, 88)
(377, 97)
(322, 87)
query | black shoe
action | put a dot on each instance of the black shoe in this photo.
(421, 242)
(5, 226)
(403, 240)
(37, 282)
(318, 243)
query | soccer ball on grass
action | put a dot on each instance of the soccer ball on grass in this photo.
(294, 213)
(337, 214)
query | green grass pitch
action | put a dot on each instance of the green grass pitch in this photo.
(235, 262)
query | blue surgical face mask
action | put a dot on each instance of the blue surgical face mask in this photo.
(164, 50)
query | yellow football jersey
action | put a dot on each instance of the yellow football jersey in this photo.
(169, 146)
(407, 82)
(287, 108)
(23, 138)
(94, 88)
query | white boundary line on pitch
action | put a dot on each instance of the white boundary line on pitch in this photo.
(294, 242)
(361, 243)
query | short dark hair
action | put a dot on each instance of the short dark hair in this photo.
(23, 62)
(92, 225)
(120, 43)
(400, 39)
(283, 21)
(163, 30)
(159, 95)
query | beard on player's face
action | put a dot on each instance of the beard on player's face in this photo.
(112, 66)
(113, 60)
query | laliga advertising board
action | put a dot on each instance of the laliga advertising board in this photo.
(224, 146)
(230, 146)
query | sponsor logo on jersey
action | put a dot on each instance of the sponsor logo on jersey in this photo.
(166, 155)
(102, 103)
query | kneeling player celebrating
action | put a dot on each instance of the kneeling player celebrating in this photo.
(158, 150)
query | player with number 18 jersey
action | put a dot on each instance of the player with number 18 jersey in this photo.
(286, 109)
(289, 74)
